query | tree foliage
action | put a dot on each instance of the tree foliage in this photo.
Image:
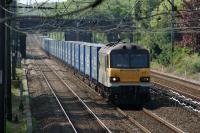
(153, 21)
(191, 16)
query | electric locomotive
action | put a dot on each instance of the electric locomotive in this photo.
(124, 73)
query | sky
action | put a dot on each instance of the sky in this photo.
(39, 1)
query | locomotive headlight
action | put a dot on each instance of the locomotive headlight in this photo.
(145, 79)
(114, 79)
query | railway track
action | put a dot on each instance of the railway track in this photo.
(151, 123)
(88, 121)
(185, 87)
(45, 110)
(58, 101)
(186, 93)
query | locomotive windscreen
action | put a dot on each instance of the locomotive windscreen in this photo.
(119, 60)
(139, 61)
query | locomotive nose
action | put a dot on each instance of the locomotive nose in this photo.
(129, 75)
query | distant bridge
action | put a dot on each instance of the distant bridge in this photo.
(52, 24)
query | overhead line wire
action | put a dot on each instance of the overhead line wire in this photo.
(93, 5)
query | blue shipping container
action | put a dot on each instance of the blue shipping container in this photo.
(82, 58)
(69, 53)
(65, 50)
(72, 54)
(77, 55)
(63, 44)
(94, 62)
(88, 70)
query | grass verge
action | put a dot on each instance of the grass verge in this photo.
(19, 123)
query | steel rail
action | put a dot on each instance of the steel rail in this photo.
(63, 110)
(89, 110)
(154, 116)
(156, 74)
(176, 90)
(144, 129)
(176, 78)
(159, 119)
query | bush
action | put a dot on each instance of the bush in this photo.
(165, 56)
(195, 64)
(189, 63)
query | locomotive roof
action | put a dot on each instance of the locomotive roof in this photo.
(120, 46)
(44, 37)
(48, 39)
(94, 44)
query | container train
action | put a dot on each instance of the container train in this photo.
(120, 72)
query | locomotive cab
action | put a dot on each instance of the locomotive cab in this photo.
(124, 70)
(129, 65)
